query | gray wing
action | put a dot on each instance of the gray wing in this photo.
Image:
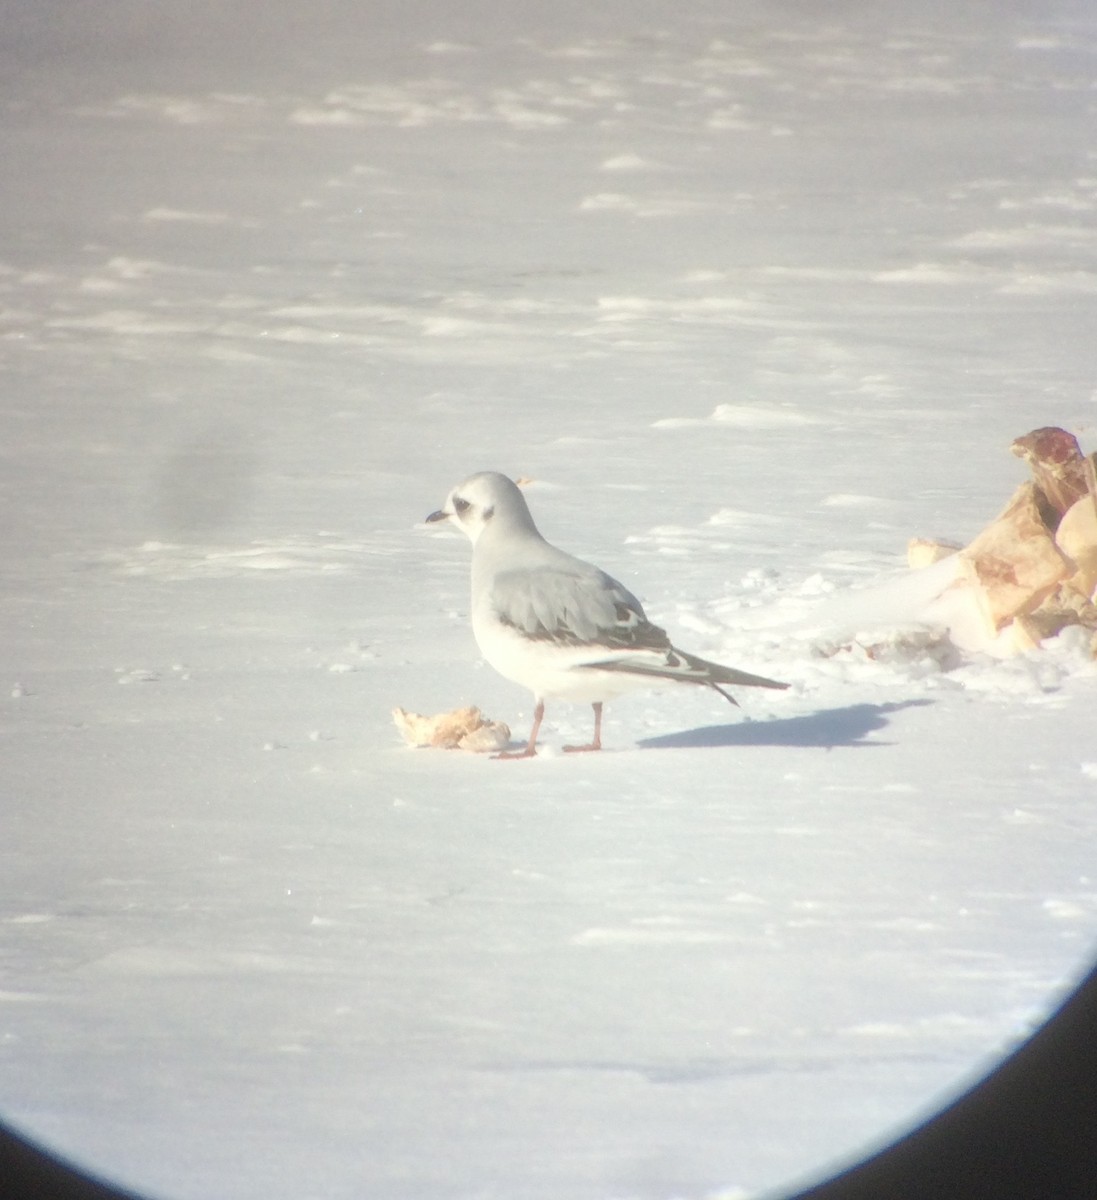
(582, 606)
(574, 606)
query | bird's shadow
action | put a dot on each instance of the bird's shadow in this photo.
(848, 726)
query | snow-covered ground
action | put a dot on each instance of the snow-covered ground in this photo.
(753, 293)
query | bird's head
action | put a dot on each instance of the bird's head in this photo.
(482, 500)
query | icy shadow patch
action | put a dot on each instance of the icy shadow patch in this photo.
(693, 1071)
(324, 554)
(742, 416)
(848, 726)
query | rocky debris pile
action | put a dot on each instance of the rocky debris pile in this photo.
(461, 729)
(1033, 570)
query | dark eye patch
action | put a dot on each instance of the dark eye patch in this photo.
(460, 506)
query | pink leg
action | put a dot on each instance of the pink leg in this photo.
(596, 744)
(531, 745)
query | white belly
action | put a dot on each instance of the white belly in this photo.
(550, 670)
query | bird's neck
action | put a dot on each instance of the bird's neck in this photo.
(515, 528)
(504, 540)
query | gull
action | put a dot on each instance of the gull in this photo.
(556, 624)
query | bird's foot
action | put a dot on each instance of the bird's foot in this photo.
(528, 752)
(596, 742)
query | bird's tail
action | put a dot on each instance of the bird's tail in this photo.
(688, 668)
(716, 673)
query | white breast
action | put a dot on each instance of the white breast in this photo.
(549, 669)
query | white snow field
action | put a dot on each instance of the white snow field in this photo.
(753, 293)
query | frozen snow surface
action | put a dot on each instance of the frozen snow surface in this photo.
(753, 293)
